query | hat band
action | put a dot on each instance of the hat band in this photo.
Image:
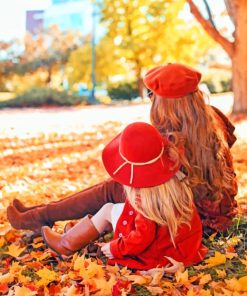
(136, 163)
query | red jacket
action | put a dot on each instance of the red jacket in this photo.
(140, 243)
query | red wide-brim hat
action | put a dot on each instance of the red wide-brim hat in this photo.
(145, 151)
(173, 80)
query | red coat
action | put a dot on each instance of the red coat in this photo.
(140, 243)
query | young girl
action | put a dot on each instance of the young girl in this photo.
(179, 112)
(157, 220)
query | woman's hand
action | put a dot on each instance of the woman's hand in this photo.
(105, 248)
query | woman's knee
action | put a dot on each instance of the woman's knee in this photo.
(106, 209)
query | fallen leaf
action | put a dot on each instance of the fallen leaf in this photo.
(231, 255)
(23, 291)
(182, 277)
(243, 283)
(205, 279)
(14, 250)
(2, 241)
(4, 288)
(218, 259)
(233, 285)
(221, 273)
(105, 286)
(6, 278)
(47, 276)
(139, 279)
(156, 274)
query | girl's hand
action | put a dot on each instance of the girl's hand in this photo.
(105, 248)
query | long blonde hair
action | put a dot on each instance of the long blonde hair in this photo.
(190, 119)
(167, 204)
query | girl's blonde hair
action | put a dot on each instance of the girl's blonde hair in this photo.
(167, 204)
(190, 119)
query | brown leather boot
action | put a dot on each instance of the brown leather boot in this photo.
(88, 201)
(20, 206)
(76, 238)
(32, 219)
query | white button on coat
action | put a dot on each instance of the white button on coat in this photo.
(125, 222)
(131, 213)
(120, 235)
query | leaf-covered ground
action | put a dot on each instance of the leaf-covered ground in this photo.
(49, 166)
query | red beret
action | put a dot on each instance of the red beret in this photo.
(172, 80)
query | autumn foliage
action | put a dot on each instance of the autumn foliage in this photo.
(54, 165)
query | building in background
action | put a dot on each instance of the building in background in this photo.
(34, 21)
(69, 15)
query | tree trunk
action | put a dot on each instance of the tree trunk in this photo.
(49, 74)
(140, 87)
(237, 50)
(239, 60)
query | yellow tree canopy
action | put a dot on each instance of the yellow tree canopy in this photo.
(150, 32)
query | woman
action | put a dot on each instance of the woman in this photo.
(179, 112)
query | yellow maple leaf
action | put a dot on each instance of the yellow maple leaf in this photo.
(205, 279)
(216, 260)
(243, 283)
(93, 270)
(182, 277)
(87, 268)
(14, 250)
(47, 276)
(221, 273)
(15, 267)
(105, 286)
(233, 241)
(78, 261)
(233, 285)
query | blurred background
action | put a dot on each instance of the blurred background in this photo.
(73, 52)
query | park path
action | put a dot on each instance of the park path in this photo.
(30, 122)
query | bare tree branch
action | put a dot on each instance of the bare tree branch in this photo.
(211, 30)
(231, 9)
(210, 17)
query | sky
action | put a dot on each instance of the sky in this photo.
(12, 14)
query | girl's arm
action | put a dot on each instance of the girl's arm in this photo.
(137, 240)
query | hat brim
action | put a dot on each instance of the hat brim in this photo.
(148, 175)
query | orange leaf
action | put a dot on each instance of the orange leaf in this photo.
(216, 260)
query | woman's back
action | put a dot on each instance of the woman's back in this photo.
(179, 112)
